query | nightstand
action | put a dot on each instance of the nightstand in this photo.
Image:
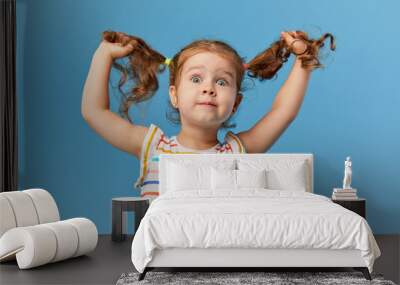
(120, 206)
(356, 205)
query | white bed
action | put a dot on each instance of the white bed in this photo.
(198, 223)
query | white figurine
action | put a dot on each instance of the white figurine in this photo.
(347, 173)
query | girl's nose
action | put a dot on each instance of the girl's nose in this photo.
(205, 91)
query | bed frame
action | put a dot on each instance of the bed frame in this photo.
(246, 258)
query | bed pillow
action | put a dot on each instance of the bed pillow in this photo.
(281, 174)
(251, 178)
(294, 178)
(223, 179)
(237, 179)
(183, 176)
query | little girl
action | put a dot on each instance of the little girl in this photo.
(204, 90)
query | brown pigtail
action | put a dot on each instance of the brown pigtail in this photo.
(144, 64)
(266, 64)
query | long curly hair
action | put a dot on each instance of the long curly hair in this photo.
(146, 63)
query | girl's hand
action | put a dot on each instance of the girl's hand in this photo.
(114, 50)
(296, 44)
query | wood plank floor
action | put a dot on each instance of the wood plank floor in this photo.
(110, 259)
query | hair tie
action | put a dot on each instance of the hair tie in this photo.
(245, 66)
(292, 50)
(167, 61)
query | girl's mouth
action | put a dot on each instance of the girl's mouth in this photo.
(208, 104)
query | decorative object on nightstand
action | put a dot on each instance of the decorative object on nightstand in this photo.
(120, 206)
(347, 192)
(356, 205)
(344, 194)
(347, 173)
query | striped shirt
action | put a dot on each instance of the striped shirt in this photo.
(156, 142)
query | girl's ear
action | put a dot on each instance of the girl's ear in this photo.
(173, 96)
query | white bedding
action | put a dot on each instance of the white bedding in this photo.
(250, 218)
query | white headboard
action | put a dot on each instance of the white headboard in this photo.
(165, 158)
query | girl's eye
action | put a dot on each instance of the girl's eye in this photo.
(196, 79)
(224, 82)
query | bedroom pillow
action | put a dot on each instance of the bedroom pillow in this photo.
(237, 179)
(185, 175)
(182, 178)
(251, 178)
(223, 179)
(282, 174)
(291, 179)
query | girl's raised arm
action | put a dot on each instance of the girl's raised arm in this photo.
(284, 109)
(288, 100)
(95, 102)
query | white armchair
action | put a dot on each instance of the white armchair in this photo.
(32, 233)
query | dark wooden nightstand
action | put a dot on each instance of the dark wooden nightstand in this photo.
(120, 206)
(356, 205)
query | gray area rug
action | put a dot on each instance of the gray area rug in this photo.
(225, 278)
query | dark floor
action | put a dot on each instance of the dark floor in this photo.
(111, 259)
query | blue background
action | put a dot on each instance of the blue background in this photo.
(351, 106)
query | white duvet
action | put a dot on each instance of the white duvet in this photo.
(251, 218)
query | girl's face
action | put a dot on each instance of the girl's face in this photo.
(206, 93)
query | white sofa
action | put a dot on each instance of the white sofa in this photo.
(31, 231)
